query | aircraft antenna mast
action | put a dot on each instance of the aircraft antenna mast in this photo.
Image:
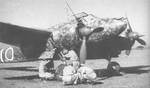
(71, 9)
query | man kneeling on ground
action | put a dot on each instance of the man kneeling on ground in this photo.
(67, 56)
(75, 73)
(46, 65)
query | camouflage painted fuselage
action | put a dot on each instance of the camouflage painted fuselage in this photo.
(33, 42)
(66, 34)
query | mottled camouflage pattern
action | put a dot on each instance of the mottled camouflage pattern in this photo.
(65, 34)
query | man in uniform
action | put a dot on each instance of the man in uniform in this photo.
(46, 65)
(75, 73)
(68, 56)
(70, 75)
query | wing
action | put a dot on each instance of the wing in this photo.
(31, 41)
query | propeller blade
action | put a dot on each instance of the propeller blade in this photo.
(131, 43)
(141, 41)
(83, 51)
(141, 35)
(129, 24)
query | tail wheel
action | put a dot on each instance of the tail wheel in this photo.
(113, 68)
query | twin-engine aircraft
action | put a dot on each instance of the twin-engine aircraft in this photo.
(91, 37)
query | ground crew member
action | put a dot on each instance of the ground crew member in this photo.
(70, 75)
(68, 56)
(75, 73)
(46, 65)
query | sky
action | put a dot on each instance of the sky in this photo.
(45, 13)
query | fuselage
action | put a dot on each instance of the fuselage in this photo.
(33, 42)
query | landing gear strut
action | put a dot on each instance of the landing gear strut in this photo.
(113, 68)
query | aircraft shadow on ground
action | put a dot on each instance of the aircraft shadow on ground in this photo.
(25, 68)
(100, 72)
(36, 77)
(31, 77)
(136, 69)
(127, 70)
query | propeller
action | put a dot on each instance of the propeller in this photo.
(130, 28)
(141, 41)
(133, 36)
(83, 51)
(86, 32)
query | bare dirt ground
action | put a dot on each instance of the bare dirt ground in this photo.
(135, 70)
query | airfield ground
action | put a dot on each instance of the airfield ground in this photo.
(135, 70)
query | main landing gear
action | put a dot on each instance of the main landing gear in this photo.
(113, 68)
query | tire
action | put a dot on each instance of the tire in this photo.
(113, 68)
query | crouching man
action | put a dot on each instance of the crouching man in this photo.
(46, 65)
(67, 57)
(75, 73)
(70, 75)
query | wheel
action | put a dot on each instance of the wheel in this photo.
(113, 68)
